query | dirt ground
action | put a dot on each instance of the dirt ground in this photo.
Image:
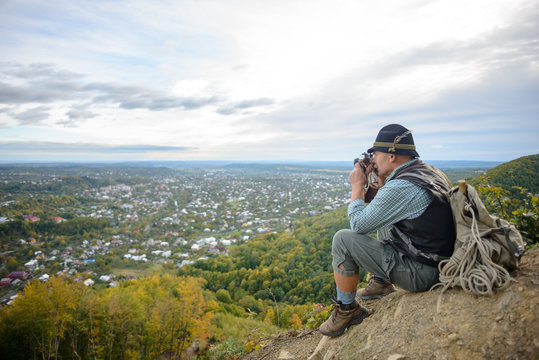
(407, 325)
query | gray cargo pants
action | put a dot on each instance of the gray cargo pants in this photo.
(353, 250)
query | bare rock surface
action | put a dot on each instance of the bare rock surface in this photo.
(407, 325)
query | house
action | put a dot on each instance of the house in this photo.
(18, 275)
(214, 250)
(136, 257)
(32, 264)
(31, 218)
(5, 282)
(186, 262)
(88, 282)
(12, 298)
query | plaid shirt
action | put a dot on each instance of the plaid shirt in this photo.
(395, 201)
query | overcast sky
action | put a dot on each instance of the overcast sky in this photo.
(266, 80)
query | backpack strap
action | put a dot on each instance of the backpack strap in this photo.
(511, 244)
(433, 186)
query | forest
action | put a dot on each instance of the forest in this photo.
(152, 317)
(268, 283)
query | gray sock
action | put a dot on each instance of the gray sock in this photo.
(346, 297)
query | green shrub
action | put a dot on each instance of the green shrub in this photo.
(229, 349)
(318, 315)
(523, 212)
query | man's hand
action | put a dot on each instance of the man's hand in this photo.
(381, 179)
(358, 178)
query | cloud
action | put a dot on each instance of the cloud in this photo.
(494, 75)
(77, 115)
(44, 83)
(33, 116)
(46, 147)
(43, 92)
(139, 97)
(36, 71)
(244, 104)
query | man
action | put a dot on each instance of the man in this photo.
(414, 227)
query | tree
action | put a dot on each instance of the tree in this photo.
(295, 321)
(524, 212)
(12, 264)
(223, 296)
(44, 312)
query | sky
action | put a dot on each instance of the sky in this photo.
(266, 80)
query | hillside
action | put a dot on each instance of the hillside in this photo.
(501, 326)
(519, 172)
(409, 326)
(294, 267)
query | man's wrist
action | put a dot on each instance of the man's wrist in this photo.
(358, 193)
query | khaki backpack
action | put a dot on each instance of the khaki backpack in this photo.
(486, 247)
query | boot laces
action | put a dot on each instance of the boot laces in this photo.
(336, 308)
(373, 284)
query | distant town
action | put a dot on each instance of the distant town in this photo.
(101, 224)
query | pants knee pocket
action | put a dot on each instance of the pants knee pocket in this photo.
(390, 262)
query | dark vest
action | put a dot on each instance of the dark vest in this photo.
(430, 237)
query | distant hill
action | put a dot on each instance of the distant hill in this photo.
(460, 164)
(523, 172)
(270, 165)
(346, 165)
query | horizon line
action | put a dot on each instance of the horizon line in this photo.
(217, 161)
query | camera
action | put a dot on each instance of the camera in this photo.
(373, 183)
(365, 162)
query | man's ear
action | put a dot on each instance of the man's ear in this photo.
(392, 158)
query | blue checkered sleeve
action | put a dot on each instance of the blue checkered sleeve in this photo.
(395, 201)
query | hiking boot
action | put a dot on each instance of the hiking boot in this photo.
(375, 290)
(342, 317)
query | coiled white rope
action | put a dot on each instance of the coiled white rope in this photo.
(471, 266)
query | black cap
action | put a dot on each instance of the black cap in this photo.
(395, 139)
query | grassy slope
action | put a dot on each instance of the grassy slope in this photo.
(519, 172)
